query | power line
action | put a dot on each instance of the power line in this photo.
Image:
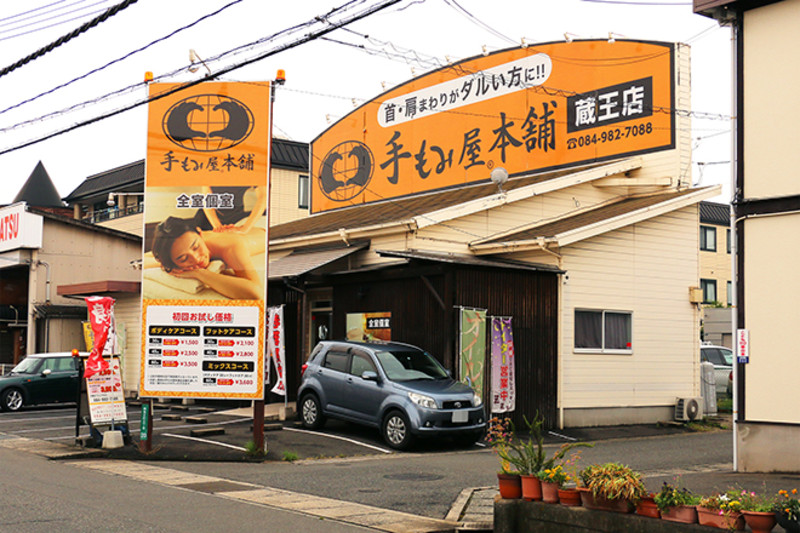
(34, 10)
(54, 17)
(126, 56)
(79, 17)
(110, 12)
(308, 37)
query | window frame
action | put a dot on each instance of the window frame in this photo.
(602, 348)
(704, 245)
(704, 282)
(303, 191)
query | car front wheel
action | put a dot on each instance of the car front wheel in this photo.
(12, 400)
(397, 431)
(311, 412)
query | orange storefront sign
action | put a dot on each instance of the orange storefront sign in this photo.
(525, 109)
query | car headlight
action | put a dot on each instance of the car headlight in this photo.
(476, 400)
(422, 400)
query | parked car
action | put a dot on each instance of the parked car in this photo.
(398, 388)
(722, 359)
(40, 378)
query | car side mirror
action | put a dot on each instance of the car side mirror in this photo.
(369, 375)
(46, 372)
(449, 373)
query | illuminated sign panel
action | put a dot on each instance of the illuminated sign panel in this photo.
(525, 109)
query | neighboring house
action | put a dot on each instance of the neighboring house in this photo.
(715, 273)
(115, 198)
(766, 207)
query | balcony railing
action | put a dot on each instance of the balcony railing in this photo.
(112, 213)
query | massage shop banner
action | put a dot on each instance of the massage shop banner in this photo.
(504, 390)
(472, 347)
(205, 247)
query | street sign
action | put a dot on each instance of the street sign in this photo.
(743, 345)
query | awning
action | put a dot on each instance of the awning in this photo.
(305, 260)
(105, 287)
(472, 260)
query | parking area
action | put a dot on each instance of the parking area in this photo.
(213, 431)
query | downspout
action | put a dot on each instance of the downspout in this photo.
(46, 301)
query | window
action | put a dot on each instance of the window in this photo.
(302, 192)
(709, 287)
(336, 361)
(708, 238)
(360, 363)
(730, 293)
(728, 233)
(605, 331)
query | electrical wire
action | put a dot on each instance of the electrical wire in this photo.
(5, 21)
(126, 56)
(79, 17)
(54, 17)
(459, 9)
(68, 37)
(308, 37)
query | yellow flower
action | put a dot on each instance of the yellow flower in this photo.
(782, 492)
(794, 491)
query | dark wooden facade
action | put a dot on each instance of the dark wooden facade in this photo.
(423, 298)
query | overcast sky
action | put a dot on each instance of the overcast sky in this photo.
(326, 78)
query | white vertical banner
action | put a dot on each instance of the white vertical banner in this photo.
(277, 348)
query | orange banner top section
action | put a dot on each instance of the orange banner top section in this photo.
(524, 109)
(208, 134)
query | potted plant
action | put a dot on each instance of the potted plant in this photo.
(787, 510)
(551, 479)
(758, 511)
(722, 511)
(611, 487)
(567, 487)
(553, 474)
(646, 506)
(677, 504)
(500, 436)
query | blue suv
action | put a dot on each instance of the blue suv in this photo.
(398, 388)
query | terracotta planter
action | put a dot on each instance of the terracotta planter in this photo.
(510, 486)
(598, 503)
(760, 522)
(549, 492)
(711, 517)
(647, 507)
(569, 497)
(531, 488)
(686, 514)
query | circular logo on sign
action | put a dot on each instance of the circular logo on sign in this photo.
(207, 123)
(346, 171)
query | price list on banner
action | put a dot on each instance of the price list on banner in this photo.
(203, 352)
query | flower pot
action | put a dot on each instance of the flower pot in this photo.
(531, 488)
(510, 486)
(760, 522)
(647, 507)
(791, 526)
(711, 517)
(686, 514)
(569, 497)
(549, 492)
(599, 503)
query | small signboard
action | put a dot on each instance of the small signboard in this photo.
(106, 396)
(743, 345)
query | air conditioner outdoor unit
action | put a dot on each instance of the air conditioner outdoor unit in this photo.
(688, 409)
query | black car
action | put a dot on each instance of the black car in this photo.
(40, 378)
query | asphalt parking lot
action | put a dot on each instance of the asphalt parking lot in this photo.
(212, 431)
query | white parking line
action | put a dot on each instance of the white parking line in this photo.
(8, 420)
(382, 450)
(204, 440)
(136, 422)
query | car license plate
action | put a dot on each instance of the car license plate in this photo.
(460, 417)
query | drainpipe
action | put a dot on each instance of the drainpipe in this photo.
(47, 282)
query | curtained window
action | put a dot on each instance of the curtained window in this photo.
(604, 331)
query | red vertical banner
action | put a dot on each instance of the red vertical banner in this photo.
(503, 385)
(277, 348)
(101, 317)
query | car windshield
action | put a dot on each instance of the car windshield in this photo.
(29, 365)
(408, 365)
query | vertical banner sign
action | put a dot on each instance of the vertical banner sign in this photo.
(503, 385)
(472, 348)
(277, 348)
(101, 317)
(205, 248)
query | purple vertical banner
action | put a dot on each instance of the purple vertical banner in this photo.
(503, 386)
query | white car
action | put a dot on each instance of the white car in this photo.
(722, 359)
